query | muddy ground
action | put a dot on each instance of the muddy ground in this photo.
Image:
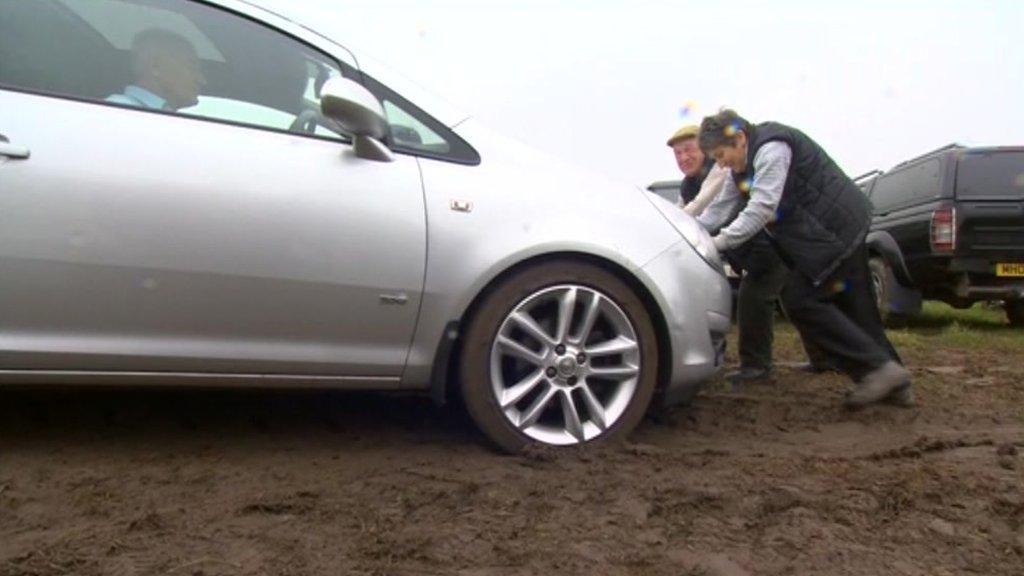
(770, 479)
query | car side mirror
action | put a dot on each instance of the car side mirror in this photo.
(357, 111)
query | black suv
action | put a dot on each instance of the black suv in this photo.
(949, 226)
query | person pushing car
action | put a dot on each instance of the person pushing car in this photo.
(785, 184)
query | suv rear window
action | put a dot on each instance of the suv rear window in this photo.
(908, 185)
(990, 174)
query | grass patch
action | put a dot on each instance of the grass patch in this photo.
(981, 326)
(982, 316)
(937, 327)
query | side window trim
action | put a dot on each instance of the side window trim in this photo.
(350, 66)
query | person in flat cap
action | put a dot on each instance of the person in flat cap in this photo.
(703, 180)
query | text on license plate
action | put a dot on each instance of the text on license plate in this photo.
(1013, 269)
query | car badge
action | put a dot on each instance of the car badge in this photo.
(461, 205)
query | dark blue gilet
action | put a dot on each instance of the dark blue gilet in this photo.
(822, 216)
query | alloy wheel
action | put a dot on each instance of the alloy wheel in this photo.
(565, 364)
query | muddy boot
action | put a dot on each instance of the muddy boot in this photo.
(879, 384)
(902, 398)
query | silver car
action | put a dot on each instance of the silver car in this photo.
(207, 193)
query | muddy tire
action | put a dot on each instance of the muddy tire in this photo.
(561, 354)
(880, 285)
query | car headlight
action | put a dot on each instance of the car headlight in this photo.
(691, 230)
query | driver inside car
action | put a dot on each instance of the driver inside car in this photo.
(166, 71)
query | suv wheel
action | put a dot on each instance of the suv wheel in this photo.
(880, 285)
(562, 353)
(1015, 312)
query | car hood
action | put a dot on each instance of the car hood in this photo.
(548, 202)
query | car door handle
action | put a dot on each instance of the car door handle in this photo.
(11, 151)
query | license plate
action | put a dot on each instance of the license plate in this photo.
(1015, 269)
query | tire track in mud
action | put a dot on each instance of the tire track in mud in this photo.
(770, 480)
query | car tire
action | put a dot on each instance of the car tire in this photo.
(1015, 312)
(561, 353)
(880, 288)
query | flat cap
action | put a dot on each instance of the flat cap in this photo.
(688, 131)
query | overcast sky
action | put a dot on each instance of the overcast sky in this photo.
(603, 83)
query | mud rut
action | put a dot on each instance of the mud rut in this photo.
(771, 479)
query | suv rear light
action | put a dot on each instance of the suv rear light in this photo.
(943, 230)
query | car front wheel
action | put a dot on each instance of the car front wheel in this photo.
(561, 353)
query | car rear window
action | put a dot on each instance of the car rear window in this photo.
(991, 174)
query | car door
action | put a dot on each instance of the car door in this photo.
(231, 236)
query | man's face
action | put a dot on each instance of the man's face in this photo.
(733, 157)
(180, 78)
(689, 157)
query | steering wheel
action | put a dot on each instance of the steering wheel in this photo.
(306, 121)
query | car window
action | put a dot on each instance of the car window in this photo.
(407, 131)
(167, 55)
(416, 132)
(908, 185)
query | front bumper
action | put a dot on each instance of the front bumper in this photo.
(696, 302)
